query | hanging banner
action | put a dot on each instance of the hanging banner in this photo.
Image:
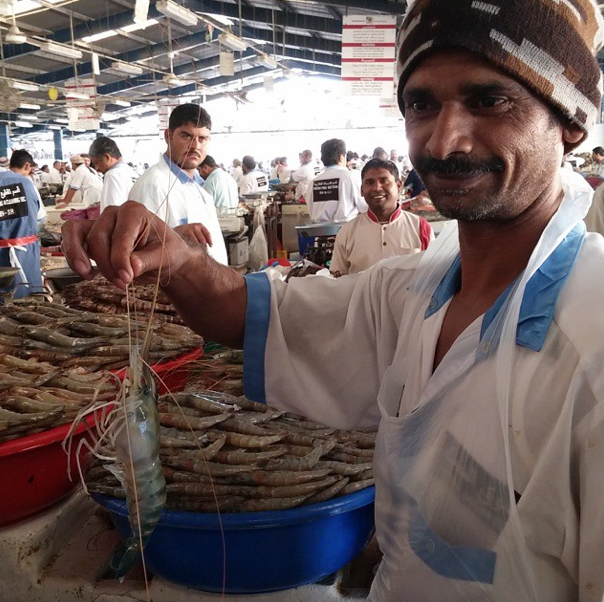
(81, 96)
(368, 55)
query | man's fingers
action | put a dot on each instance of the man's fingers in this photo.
(73, 245)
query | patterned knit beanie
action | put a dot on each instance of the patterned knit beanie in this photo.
(548, 45)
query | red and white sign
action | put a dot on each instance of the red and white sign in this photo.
(368, 55)
(82, 112)
(165, 106)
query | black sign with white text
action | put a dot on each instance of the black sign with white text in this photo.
(326, 190)
(13, 202)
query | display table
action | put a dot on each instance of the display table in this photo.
(63, 554)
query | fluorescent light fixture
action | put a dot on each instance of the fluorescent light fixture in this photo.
(267, 61)
(30, 117)
(15, 36)
(178, 13)
(96, 67)
(119, 102)
(95, 37)
(126, 68)
(138, 26)
(61, 50)
(61, 120)
(54, 127)
(232, 41)
(29, 105)
(23, 124)
(76, 95)
(25, 86)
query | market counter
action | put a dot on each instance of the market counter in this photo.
(61, 555)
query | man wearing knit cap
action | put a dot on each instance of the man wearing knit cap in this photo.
(478, 359)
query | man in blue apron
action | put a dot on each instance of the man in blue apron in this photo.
(19, 206)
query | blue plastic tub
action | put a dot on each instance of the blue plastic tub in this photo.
(265, 551)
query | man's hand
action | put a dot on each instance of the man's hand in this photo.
(126, 242)
(195, 233)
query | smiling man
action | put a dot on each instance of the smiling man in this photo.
(172, 188)
(384, 230)
(477, 359)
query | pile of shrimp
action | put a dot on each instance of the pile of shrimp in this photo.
(221, 453)
(100, 296)
(68, 337)
(222, 372)
(36, 396)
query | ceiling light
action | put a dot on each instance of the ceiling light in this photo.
(232, 41)
(99, 36)
(54, 127)
(178, 13)
(23, 124)
(126, 68)
(137, 26)
(61, 120)
(31, 117)
(76, 95)
(25, 86)
(267, 61)
(61, 50)
(29, 105)
(14, 35)
(119, 102)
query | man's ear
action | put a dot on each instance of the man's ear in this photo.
(572, 136)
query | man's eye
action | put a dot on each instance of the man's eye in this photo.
(417, 105)
(489, 102)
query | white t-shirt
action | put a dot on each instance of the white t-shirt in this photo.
(441, 430)
(88, 182)
(304, 175)
(55, 176)
(364, 241)
(335, 196)
(117, 183)
(254, 181)
(178, 199)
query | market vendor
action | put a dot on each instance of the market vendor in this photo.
(335, 194)
(20, 208)
(384, 230)
(477, 358)
(173, 189)
(85, 180)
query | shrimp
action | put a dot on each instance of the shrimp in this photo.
(138, 468)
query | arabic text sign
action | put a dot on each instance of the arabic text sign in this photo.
(13, 202)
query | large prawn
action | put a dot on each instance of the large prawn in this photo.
(135, 438)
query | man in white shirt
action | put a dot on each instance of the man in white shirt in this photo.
(335, 194)
(54, 174)
(252, 180)
(304, 175)
(236, 171)
(598, 164)
(172, 188)
(219, 185)
(84, 180)
(118, 176)
(385, 230)
(479, 359)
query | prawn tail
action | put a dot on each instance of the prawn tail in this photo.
(125, 557)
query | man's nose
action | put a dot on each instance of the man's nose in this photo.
(451, 133)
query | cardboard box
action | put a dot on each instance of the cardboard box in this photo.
(239, 251)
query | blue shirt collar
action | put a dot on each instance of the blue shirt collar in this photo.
(182, 176)
(540, 296)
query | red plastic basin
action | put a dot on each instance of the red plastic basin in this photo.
(33, 472)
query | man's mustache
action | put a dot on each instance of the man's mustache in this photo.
(458, 166)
